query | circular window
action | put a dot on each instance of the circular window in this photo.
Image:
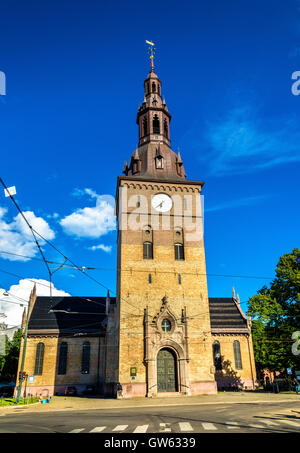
(147, 231)
(166, 325)
(177, 233)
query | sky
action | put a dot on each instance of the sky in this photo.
(74, 75)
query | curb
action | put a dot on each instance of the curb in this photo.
(19, 405)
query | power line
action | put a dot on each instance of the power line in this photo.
(145, 270)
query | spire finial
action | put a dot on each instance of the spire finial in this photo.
(151, 50)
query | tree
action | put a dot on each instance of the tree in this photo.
(9, 361)
(275, 312)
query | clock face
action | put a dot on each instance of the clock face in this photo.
(161, 202)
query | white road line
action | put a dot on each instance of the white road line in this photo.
(164, 428)
(289, 422)
(232, 425)
(78, 430)
(209, 426)
(98, 429)
(120, 428)
(185, 426)
(268, 422)
(141, 429)
(256, 426)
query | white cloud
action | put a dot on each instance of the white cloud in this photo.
(105, 248)
(243, 141)
(91, 222)
(10, 304)
(16, 237)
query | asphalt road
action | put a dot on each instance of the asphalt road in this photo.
(218, 418)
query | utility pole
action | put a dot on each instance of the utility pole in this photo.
(21, 377)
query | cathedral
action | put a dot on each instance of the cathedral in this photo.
(161, 334)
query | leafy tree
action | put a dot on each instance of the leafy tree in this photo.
(9, 361)
(275, 311)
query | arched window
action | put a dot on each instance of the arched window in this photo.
(179, 251)
(217, 355)
(156, 125)
(166, 129)
(85, 361)
(39, 359)
(63, 353)
(153, 87)
(148, 251)
(145, 126)
(237, 355)
(158, 89)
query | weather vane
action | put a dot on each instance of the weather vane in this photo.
(151, 50)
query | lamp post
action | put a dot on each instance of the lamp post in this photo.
(21, 377)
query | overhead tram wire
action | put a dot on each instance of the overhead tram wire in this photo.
(33, 234)
(54, 247)
(62, 265)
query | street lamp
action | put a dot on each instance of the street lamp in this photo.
(21, 374)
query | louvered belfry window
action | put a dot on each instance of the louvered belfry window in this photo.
(148, 251)
(39, 359)
(85, 362)
(63, 354)
(237, 355)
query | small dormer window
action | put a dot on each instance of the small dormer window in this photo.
(159, 162)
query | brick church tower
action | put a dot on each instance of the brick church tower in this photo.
(162, 313)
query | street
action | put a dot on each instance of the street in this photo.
(277, 417)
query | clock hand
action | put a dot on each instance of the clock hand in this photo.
(160, 204)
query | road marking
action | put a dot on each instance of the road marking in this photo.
(268, 422)
(186, 426)
(120, 428)
(78, 430)
(164, 428)
(256, 426)
(209, 426)
(289, 422)
(141, 429)
(232, 425)
(98, 429)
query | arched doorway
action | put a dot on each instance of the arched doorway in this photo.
(166, 371)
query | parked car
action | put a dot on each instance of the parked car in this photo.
(70, 391)
(89, 390)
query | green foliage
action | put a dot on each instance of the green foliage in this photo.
(9, 361)
(275, 311)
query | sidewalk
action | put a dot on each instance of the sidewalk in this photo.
(62, 403)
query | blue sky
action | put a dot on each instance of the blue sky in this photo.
(75, 72)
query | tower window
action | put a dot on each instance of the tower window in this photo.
(149, 278)
(166, 325)
(148, 251)
(217, 356)
(85, 360)
(39, 359)
(237, 355)
(179, 279)
(179, 251)
(153, 87)
(159, 162)
(166, 129)
(156, 125)
(145, 126)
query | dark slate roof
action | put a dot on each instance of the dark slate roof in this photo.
(69, 315)
(225, 316)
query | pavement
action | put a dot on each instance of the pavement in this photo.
(69, 403)
(230, 413)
